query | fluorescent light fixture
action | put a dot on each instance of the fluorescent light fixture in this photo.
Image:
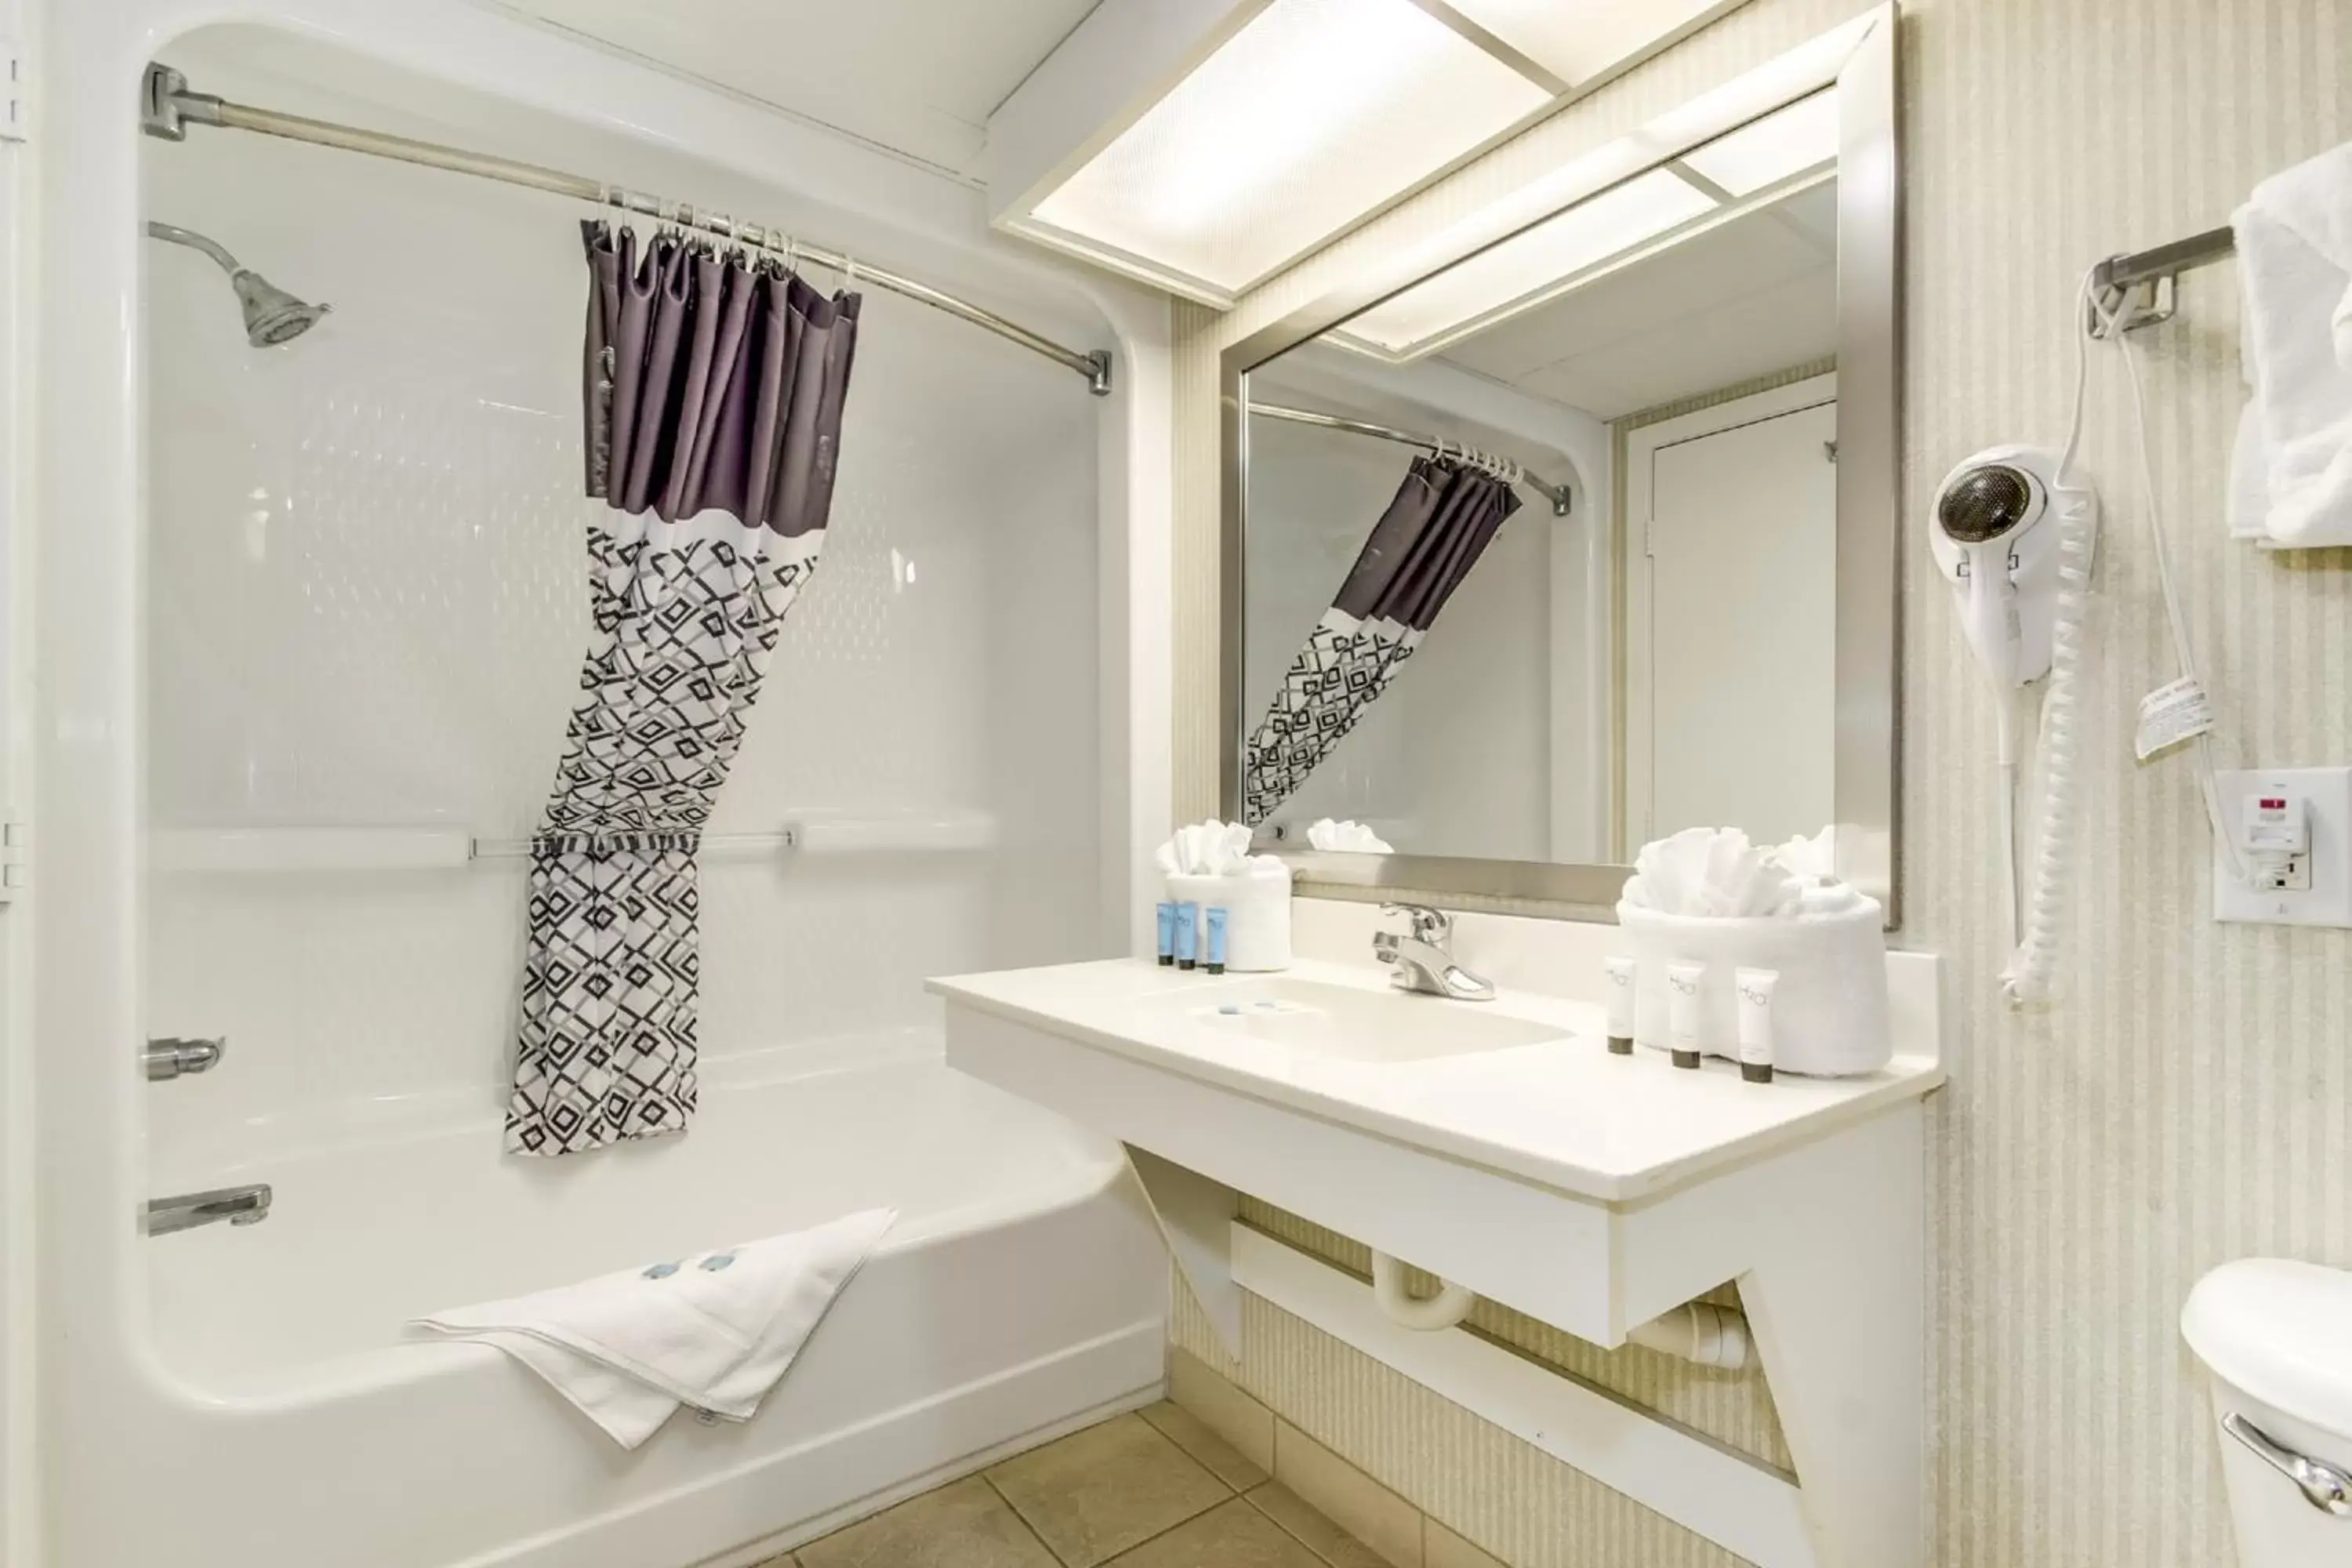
(1531, 267)
(1579, 39)
(1800, 137)
(1309, 117)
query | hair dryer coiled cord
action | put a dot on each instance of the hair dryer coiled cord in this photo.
(2028, 979)
(2047, 883)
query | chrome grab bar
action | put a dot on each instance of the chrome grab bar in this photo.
(2324, 1487)
(168, 1059)
(185, 1211)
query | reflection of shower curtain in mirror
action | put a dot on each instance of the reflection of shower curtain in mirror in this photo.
(1440, 520)
(713, 392)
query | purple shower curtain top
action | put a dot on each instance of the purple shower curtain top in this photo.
(711, 381)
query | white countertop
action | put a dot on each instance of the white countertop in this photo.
(1565, 1114)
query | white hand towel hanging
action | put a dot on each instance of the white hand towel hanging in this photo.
(2293, 479)
(713, 1331)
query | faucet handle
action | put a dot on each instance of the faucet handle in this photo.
(1428, 924)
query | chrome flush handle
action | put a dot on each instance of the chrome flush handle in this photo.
(2324, 1487)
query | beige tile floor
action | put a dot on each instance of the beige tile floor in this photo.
(1154, 1490)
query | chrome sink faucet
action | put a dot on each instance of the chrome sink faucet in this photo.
(238, 1205)
(1423, 957)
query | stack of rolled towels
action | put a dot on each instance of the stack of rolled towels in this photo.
(1208, 867)
(1707, 898)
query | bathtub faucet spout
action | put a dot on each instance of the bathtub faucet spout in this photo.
(238, 1205)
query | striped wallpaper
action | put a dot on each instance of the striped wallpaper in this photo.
(2190, 1101)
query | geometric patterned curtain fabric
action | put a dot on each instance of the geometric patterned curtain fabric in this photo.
(713, 391)
(1330, 684)
(1439, 523)
(684, 630)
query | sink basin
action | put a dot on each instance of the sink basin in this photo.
(1361, 1025)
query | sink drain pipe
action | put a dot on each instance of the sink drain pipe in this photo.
(1444, 1310)
(1697, 1331)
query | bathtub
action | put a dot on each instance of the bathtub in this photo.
(1018, 1295)
(246, 1397)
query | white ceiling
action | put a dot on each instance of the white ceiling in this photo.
(919, 77)
(1745, 299)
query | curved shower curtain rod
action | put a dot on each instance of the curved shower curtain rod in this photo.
(168, 107)
(1502, 468)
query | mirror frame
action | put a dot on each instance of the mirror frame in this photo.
(1859, 60)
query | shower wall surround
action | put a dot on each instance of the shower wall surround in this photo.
(369, 601)
(2089, 1163)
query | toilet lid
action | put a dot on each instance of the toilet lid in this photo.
(2281, 1331)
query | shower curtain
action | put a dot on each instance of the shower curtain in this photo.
(1440, 521)
(713, 389)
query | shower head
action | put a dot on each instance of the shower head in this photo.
(272, 316)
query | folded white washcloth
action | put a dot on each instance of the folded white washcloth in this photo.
(2291, 479)
(714, 1331)
(1209, 849)
(1815, 859)
(1325, 834)
(1712, 872)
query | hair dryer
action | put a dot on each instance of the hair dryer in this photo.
(2015, 541)
(1996, 544)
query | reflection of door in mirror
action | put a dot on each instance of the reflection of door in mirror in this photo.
(1731, 617)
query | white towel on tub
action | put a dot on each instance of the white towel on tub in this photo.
(713, 1331)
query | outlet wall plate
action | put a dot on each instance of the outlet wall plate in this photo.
(2328, 900)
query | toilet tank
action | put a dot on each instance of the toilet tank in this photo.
(2276, 1335)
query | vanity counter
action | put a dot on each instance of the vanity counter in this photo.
(1559, 1111)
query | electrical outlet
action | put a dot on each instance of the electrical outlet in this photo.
(2294, 836)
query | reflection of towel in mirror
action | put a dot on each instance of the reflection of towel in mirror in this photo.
(1325, 834)
(714, 1331)
(2291, 482)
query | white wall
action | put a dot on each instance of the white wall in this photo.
(365, 606)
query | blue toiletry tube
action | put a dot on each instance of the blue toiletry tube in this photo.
(1188, 934)
(1167, 933)
(1215, 916)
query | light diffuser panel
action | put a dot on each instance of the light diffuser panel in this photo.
(1314, 113)
(1579, 39)
(1532, 265)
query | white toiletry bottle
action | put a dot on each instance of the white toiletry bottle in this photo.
(1618, 973)
(1683, 982)
(1755, 991)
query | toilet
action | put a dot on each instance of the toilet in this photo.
(2277, 1336)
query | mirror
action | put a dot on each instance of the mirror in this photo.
(1586, 536)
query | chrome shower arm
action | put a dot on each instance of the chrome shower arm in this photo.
(175, 234)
